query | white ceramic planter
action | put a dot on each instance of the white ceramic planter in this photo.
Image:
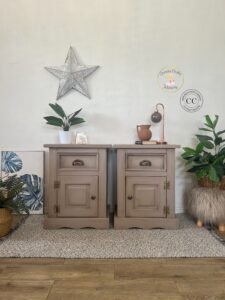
(65, 137)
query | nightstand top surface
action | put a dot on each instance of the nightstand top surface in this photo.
(114, 146)
(97, 146)
(154, 146)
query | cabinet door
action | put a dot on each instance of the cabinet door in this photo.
(145, 197)
(78, 196)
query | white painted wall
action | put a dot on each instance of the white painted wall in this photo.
(131, 40)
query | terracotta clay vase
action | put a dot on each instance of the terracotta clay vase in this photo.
(144, 132)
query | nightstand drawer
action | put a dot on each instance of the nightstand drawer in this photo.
(146, 162)
(78, 161)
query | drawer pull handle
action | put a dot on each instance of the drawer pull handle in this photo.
(93, 197)
(145, 163)
(78, 162)
(129, 197)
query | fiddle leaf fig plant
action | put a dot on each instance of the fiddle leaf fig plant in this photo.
(207, 158)
(64, 121)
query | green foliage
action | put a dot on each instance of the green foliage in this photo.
(207, 159)
(64, 121)
(10, 190)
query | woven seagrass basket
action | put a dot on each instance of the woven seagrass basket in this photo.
(5, 221)
(207, 183)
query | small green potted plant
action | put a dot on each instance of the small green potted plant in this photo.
(10, 201)
(64, 121)
(206, 160)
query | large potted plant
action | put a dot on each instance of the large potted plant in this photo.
(206, 203)
(64, 121)
(10, 201)
(206, 160)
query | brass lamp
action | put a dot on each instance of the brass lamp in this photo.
(157, 117)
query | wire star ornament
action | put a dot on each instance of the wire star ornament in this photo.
(72, 75)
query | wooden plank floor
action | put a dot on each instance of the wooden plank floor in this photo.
(128, 279)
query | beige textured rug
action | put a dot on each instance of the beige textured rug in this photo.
(31, 240)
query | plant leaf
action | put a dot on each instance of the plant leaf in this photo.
(205, 129)
(198, 167)
(218, 161)
(220, 132)
(204, 137)
(189, 153)
(213, 174)
(189, 150)
(58, 109)
(201, 173)
(76, 121)
(218, 140)
(220, 170)
(222, 151)
(32, 193)
(208, 144)
(189, 161)
(71, 116)
(215, 121)
(11, 162)
(209, 122)
(188, 156)
(54, 121)
(199, 148)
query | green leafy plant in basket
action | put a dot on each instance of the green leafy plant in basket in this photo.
(10, 190)
(206, 160)
(64, 121)
(10, 201)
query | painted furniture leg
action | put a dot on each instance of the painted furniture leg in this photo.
(199, 223)
(221, 227)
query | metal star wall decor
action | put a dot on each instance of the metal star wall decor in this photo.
(72, 75)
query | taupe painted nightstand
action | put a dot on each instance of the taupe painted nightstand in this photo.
(77, 186)
(145, 186)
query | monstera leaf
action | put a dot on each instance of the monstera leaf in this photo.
(32, 193)
(11, 162)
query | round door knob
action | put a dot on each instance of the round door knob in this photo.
(129, 197)
(93, 197)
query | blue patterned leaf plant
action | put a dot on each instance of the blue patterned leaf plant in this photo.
(32, 193)
(11, 162)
